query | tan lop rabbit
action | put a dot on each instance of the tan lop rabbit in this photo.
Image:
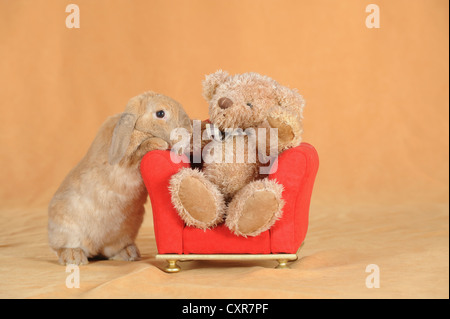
(99, 207)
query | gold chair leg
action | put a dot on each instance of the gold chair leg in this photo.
(282, 264)
(172, 266)
(172, 259)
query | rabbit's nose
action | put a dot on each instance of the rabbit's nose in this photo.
(225, 103)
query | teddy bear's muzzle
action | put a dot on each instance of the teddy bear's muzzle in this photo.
(225, 103)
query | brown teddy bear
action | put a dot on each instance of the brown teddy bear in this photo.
(232, 184)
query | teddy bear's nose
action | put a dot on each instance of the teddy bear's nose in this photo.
(225, 103)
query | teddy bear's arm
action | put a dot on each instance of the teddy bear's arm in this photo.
(289, 125)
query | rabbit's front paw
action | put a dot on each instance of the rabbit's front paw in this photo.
(129, 253)
(153, 143)
(159, 144)
(72, 256)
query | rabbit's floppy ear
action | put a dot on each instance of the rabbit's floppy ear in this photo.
(121, 137)
(124, 128)
(211, 82)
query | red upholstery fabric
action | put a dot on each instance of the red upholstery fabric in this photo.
(296, 171)
(220, 240)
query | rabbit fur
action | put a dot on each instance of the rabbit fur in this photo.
(99, 207)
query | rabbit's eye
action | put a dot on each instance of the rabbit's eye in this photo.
(160, 114)
(249, 104)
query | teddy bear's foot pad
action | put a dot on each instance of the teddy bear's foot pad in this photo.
(256, 209)
(259, 210)
(197, 200)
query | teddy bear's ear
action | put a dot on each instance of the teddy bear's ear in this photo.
(290, 99)
(211, 82)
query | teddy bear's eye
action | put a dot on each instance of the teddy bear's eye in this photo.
(249, 104)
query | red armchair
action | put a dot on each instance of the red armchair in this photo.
(296, 171)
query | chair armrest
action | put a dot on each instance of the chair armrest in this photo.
(296, 171)
(157, 168)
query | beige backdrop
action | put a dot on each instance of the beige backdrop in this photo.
(377, 112)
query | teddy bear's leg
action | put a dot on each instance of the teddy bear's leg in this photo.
(255, 208)
(197, 200)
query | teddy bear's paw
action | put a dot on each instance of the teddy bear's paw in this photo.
(198, 201)
(285, 131)
(289, 127)
(255, 208)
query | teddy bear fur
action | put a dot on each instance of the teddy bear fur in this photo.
(236, 191)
